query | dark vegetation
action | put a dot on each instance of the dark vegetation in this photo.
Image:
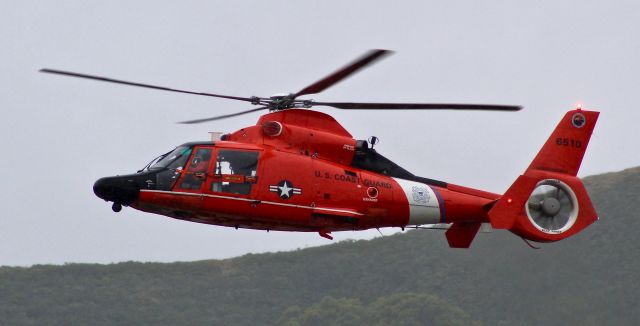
(592, 278)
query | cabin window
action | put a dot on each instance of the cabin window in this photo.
(235, 171)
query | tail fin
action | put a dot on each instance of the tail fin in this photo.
(548, 202)
(564, 150)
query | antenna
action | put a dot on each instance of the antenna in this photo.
(373, 140)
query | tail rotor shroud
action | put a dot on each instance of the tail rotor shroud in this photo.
(552, 206)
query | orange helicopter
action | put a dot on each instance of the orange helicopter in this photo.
(300, 170)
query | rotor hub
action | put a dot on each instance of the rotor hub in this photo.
(551, 206)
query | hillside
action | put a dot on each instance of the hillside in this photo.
(590, 279)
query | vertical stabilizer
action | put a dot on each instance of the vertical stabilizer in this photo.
(565, 148)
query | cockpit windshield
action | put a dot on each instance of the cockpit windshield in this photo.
(172, 160)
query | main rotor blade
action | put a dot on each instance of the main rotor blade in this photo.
(224, 116)
(322, 84)
(416, 106)
(110, 80)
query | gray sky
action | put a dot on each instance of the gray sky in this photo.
(61, 134)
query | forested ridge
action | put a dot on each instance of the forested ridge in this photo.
(408, 278)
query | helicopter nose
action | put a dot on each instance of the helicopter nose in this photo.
(120, 190)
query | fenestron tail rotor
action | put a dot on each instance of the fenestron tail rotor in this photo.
(552, 206)
(288, 101)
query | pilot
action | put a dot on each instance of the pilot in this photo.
(197, 170)
(200, 163)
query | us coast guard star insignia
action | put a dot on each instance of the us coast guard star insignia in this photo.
(285, 189)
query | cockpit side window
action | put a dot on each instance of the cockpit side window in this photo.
(235, 171)
(196, 171)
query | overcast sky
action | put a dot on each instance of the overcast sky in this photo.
(61, 134)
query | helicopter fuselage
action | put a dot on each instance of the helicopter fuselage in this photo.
(299, 170)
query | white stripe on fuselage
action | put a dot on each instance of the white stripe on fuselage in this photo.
(424, 207)
(252, 200)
